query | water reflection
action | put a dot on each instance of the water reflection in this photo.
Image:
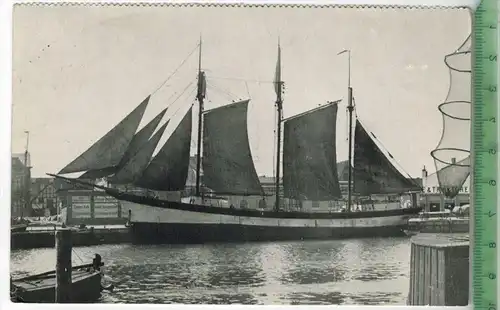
(378, 271)
(236, 266)
(371, 271)
(372, 299)
(311, 298)
(316, 262)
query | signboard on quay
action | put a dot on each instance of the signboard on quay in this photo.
(81, 207)
(106, 207)
(93, 208)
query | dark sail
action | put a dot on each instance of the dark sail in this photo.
(136, 164)
(373, 172)
(109, 150)
(227, 160)
(310, 157)
(169, 168)
(139, 139)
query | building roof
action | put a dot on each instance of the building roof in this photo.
(17, 163)
(20, 156)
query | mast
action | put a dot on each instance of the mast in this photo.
(27, 177)
(200, 96)
(350, 108)
(279, 106)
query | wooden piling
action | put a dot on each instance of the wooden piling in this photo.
(63, 266)
(439, 270)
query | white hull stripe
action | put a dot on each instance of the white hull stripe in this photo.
(149, 214)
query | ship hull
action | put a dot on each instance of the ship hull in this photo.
(157, 221)
(189, 233)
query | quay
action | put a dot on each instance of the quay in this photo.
(44, 237)
(65, 284)
(449, 224)
(439, 270)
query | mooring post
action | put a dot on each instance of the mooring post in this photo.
(63, 266)
(439, 273)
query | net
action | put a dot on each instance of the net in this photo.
(452, 154)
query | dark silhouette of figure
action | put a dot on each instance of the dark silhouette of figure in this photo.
(96, 262)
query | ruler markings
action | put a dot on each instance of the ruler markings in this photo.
(485, 156)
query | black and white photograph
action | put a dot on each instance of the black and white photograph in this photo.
(240, 154)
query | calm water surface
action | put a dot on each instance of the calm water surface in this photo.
(365, 271)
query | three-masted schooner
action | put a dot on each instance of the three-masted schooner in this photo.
(223, 154)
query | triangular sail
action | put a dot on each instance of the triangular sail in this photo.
(139, 139)
(373, 172)
(109, 150)
(169, 168)
(227, 160)
(310, 156)
(136, 164)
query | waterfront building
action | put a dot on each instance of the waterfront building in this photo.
(432, 197)
(20, 189)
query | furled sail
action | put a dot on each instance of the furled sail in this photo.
(277, 74)
(137, 162)
(227, 160)
(139, 139)
(109, 150)
(373, 172)
(310, 156)
(169, 168)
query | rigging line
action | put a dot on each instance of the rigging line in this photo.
(190, 93)
(225, 90)
(229, 95)
(176, 93)
(180, 95)
(226, 95)
(177, 69)
(240, 79)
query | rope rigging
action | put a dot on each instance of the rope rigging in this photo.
(176, 70)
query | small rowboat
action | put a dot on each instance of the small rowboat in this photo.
(18, 228)
(41, 288)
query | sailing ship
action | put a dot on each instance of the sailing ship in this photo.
(224, 167)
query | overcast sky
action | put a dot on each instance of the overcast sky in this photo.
(78, 71)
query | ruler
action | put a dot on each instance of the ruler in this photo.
(485, 180)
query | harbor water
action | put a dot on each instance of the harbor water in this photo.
(363, 271)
